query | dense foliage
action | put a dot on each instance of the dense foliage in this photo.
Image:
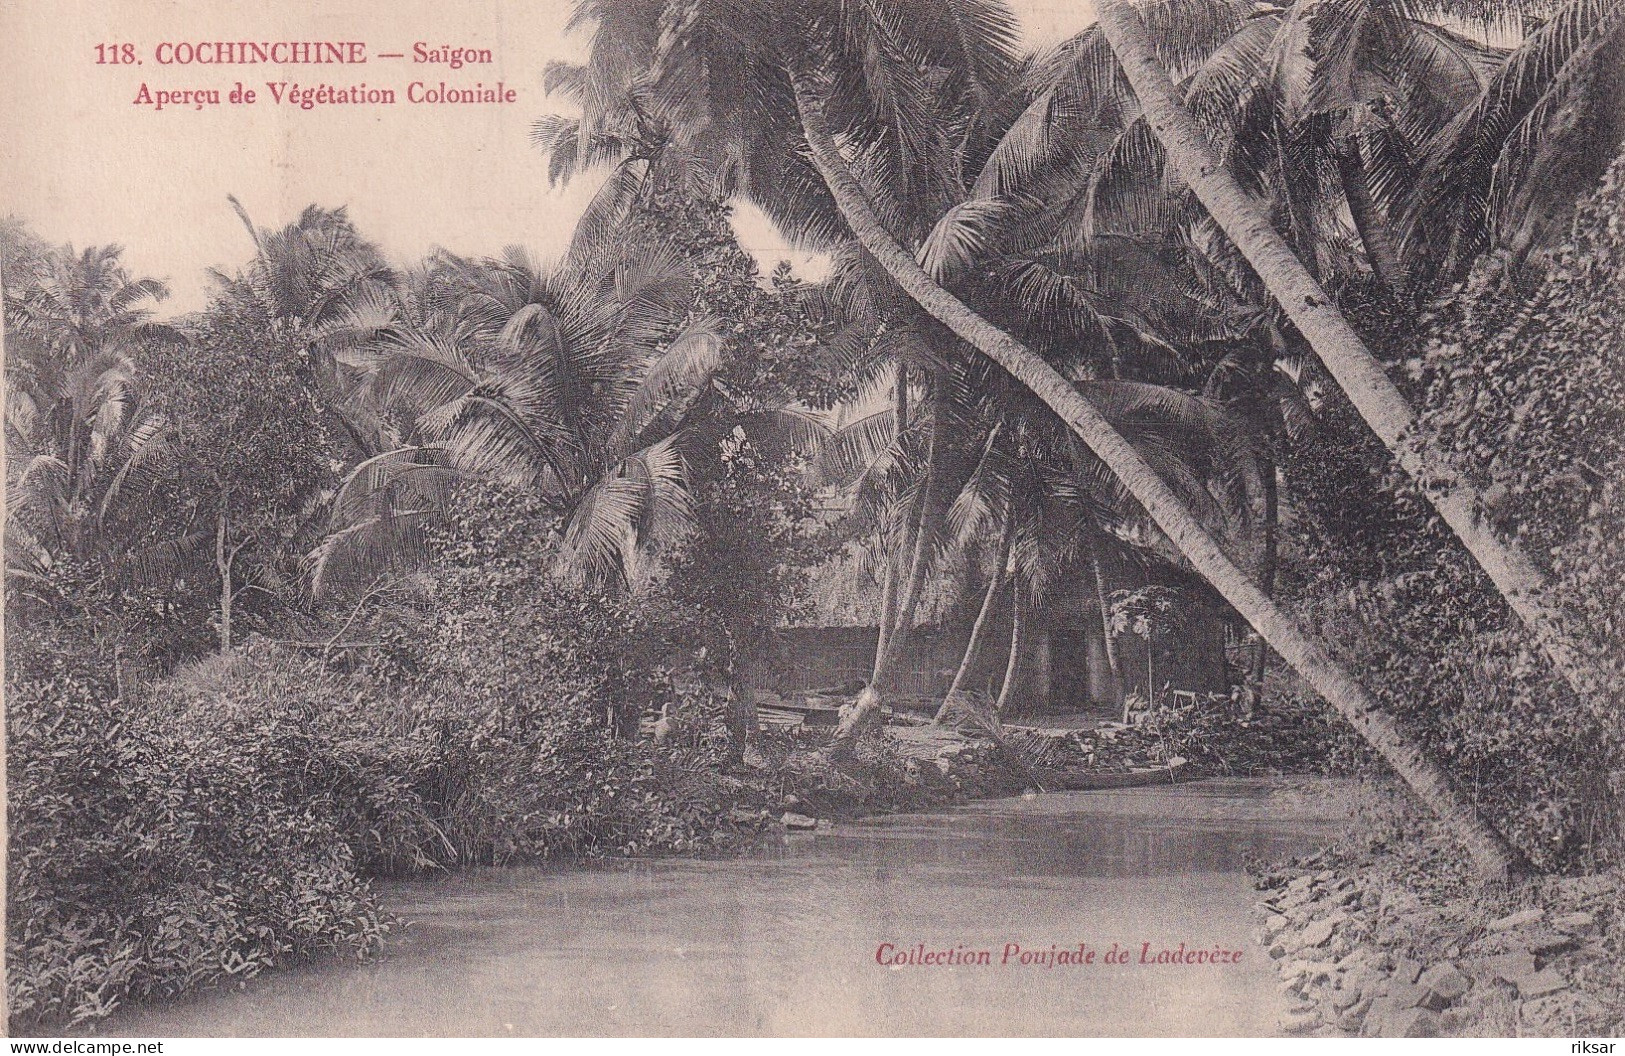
(228, 820)
(148, 857)
(170, 831)
(1519, 375)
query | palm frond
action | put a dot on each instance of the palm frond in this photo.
(1452, 216)
(417, 371)
(159, 562)
(959, 237)
(357, 555)
(857, 450)
(642, 502)
(688, 361)
(407, 477)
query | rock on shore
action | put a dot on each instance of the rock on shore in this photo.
(1360, 954)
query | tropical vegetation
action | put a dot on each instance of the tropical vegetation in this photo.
(1309, 312)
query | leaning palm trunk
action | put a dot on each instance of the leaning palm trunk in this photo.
(888, 591)
(1113, 665)
(982, 629)
(905, 586)
(1326, 675)
(976, 712)
(927, 522)
(1376, 234)
(1018, 649)
(1340, 349)
(1269, 545)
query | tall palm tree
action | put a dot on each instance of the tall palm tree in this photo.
(1324, 107)
(78, 428)
(1411, 124)
(1524, 586)
(884, 335)
(958, 695)
(1375, 118)
(1541, 130)
(1164, 507)
(1061, 508)
(675, 112)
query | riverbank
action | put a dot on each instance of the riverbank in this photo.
(899, 768)
(239, 820)
(1382, 934)
(176, 848)
(235, 820)
(785, 940)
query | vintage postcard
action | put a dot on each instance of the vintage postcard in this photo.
(783, 518)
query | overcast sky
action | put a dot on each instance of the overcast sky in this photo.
(81, 163)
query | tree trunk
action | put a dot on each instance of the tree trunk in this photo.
(907, 585)
(1113, 662)
(1018, 649)
(926, 527)
(744, 724)
(888, 590)
(1182, 527)
(967, 710)
(1340, 349)
(983, 627)
(1269, 546)
(222, 562)
(1376, 234)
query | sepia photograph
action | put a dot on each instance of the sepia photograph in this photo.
(813, 518)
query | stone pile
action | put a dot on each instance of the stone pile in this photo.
(1361, 957)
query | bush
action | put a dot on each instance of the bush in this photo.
(479, 758)
(145, 861)
(229, 823)
(227, 820)
(1289, 732)
(1520, 377)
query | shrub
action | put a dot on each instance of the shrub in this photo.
(491, 753)
(146, 860)
(529, 700)
(227, 821)
(228, 824)
(1289, 732)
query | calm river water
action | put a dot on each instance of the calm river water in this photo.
(785, 942)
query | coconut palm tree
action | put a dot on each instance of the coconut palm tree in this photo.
(1524, 586)
(78, 428)
(1318, 108)
(329, 292)
(1164, 507)
(981, 633)
(650, 127)
(1323, 107)
(86, 446)
(1366, 103)
(1064, 511)
(545, 380)
(1370, 118)
(895, 460)
(1024, 481)
(1504, 167)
